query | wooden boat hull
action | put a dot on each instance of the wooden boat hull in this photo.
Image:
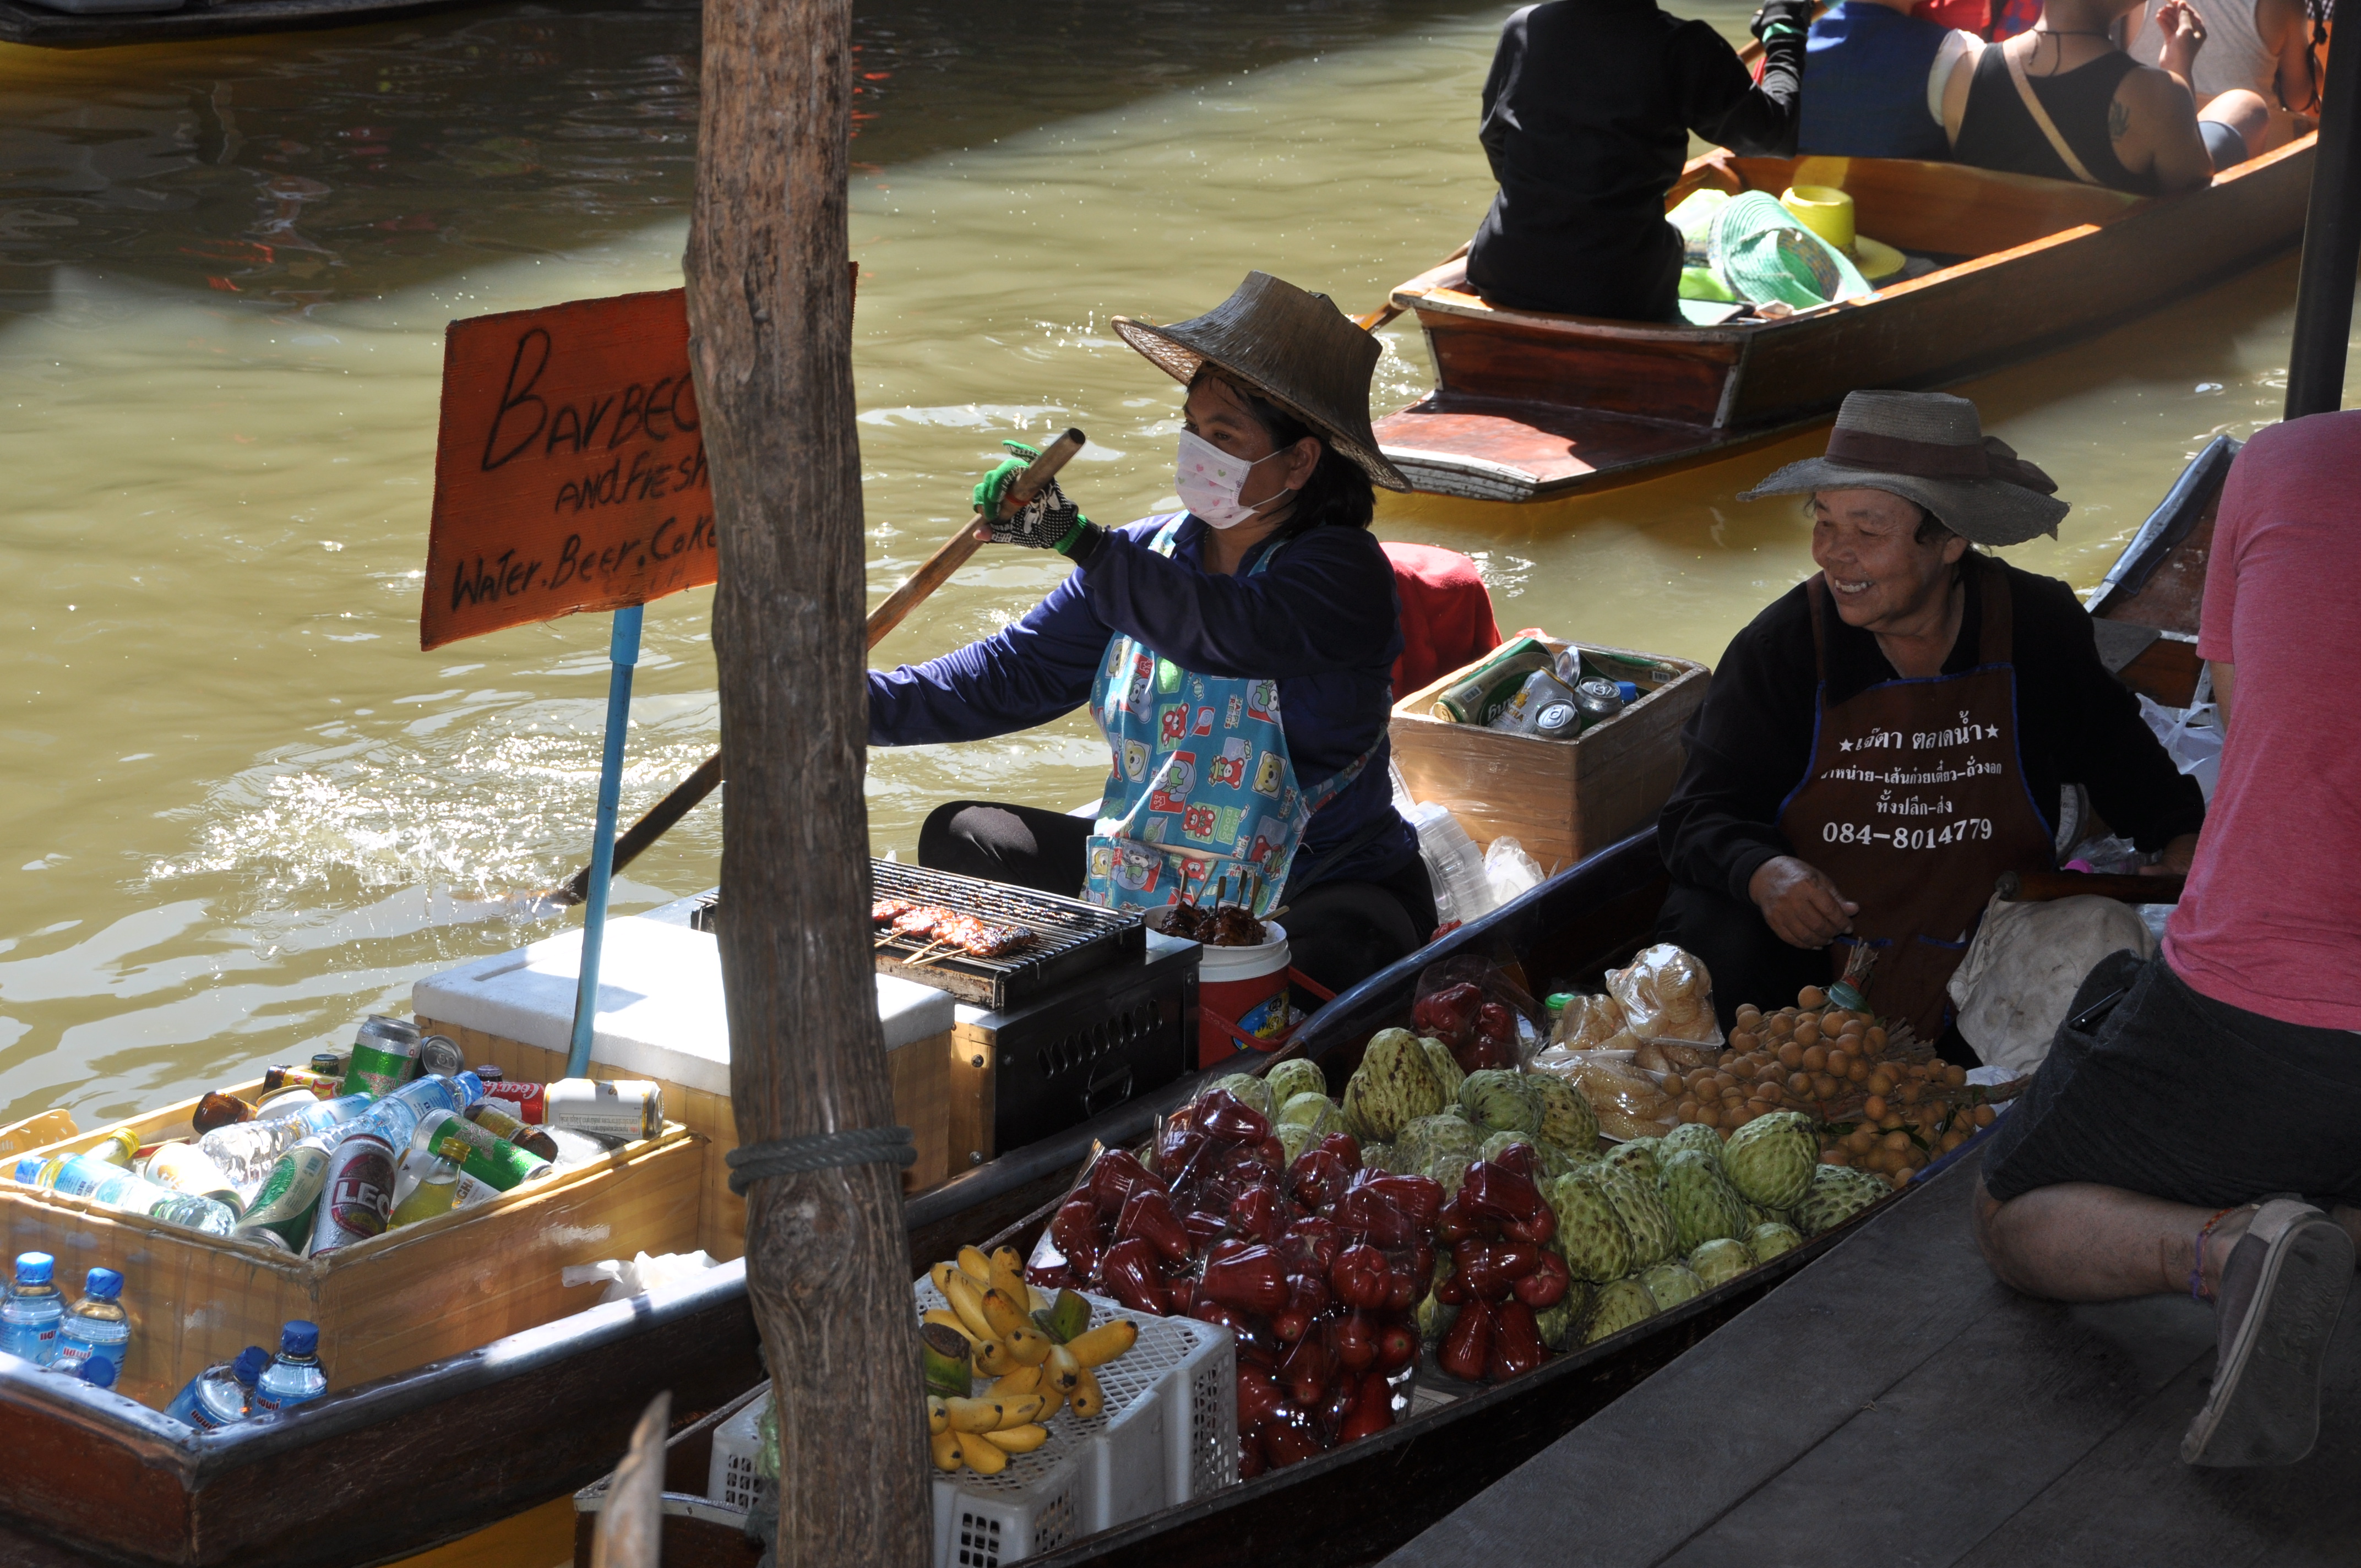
(22, 22)
(1532, 406)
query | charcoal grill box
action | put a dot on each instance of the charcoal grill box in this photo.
(661, 1016)
(1561, 799)
(416, 1294)
(1038, 1067)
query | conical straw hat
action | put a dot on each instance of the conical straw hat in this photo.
(1295, 349)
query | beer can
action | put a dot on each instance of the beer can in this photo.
(493, 1161)
(357, 1199)
(528, 1102)
(615, 1108)
(1599, 698)
(439, 1055)
(497, 1120)
(283, 1207)
(324, 1086)
(467, 1191)
(385, 1056)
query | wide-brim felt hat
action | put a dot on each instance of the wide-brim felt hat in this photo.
(1931, 448)
(1293, 347)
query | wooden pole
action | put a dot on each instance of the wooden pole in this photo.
(770, 311)
(2331, 247)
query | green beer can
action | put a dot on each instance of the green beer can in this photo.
(290, 1194)
(494, 1161)
(385, 1057)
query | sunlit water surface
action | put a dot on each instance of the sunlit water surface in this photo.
(242, 809)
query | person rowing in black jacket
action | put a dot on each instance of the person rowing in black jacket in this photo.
(1587, 119)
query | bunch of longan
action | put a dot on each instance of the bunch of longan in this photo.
(1820, 1058)
(1799, 1058)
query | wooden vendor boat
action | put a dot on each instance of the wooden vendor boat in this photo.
(1530, 406)
(23, 22)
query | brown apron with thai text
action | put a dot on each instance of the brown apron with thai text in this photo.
(1915, 803)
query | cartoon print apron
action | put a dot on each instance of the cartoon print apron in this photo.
(1201, 800)
(1915, 803)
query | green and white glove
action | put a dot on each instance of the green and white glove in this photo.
(1047, 521)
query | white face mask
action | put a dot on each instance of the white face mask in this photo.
(1208, 479)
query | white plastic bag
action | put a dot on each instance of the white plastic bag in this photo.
(640, 1275)
(2192, 738)
(1510, 870)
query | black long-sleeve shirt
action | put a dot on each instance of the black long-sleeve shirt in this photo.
(1586, 118)
(1751, 743)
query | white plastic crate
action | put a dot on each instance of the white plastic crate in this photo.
(1170, 1433)
(731, 1478)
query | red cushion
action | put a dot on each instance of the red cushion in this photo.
(1446, 614)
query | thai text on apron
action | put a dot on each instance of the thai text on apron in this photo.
(1915, 803)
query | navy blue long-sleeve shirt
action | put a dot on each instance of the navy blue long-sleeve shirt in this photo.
(1321, 620)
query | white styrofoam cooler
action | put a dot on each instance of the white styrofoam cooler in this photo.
(660, 1010)
(1170, 1433)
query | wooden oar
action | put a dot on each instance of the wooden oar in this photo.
(2040, 887)
(934, 574)
(1389, 311)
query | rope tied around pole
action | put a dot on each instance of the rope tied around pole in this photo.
(751, 1163)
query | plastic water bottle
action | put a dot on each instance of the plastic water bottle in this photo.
(246, 1151)
(222, 1393)
(95, 1370)
(98, 1325)
(294, 1377)
(30, 1313)
(396, 1117)
(80, 1176)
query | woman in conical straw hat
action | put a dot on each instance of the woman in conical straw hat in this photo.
(1892, 734)
(1235, 654)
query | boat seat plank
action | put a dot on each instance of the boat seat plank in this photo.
(1893, 1403)
(1518, 451)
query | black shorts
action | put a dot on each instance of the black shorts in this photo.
(2184, 1098)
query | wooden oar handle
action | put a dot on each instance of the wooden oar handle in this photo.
(939, 567)
(2040, 887)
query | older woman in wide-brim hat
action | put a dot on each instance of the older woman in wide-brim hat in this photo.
(1893, 733)
(1236, 655)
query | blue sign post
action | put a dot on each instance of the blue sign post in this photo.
(624, 656)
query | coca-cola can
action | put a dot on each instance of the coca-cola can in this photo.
(356, 1200)
(528, 1102)
(613, 1108)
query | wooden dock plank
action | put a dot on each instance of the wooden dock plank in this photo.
(1894, 1405)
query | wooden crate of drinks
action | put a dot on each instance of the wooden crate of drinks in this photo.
(1560, 799)
(416, 1294)
(661, 1018)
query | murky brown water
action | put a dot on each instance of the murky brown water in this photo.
(241, 808)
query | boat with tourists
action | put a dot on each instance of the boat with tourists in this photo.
(1532, 406)
(93, 24)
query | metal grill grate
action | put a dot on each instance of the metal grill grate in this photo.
(1075, 937)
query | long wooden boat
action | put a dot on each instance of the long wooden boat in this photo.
(23, 22)
(383, 1470)
(1529, 405)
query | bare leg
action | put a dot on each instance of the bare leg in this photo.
(2243, 112)
(2081, 1242)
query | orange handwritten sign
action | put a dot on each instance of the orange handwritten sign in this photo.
(569, 472)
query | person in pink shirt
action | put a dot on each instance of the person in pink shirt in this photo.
(2197, 1125)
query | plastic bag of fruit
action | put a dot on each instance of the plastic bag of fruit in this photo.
(1588, 1023)
(1485, 1018)
(1627, 1099)
(1667, 995)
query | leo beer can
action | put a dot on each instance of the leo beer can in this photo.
(623, 1108)
(385, 1056)
(439, 1055)
(528, 1102)
(357, 1200)
(283, 1207)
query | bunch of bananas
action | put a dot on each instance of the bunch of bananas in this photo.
(1038, 1351)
